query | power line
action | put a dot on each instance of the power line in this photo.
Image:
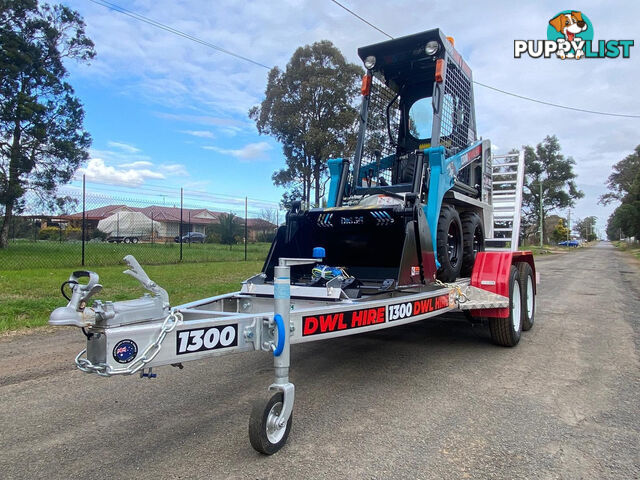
(137, 16)
(365, 21)
(500, 90)
(556, 104)
(129, 13)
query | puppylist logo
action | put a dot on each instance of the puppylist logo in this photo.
(570, 36)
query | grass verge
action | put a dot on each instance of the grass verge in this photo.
(27, 297)
(632, 248)
(24, 254)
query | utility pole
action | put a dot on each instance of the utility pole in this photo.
(541, 226)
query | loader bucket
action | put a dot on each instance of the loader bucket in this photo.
(373, 244)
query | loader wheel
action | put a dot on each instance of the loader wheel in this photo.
(528, 295)
(265, 433)
(506, 331)
(472, 241)
(449, 244)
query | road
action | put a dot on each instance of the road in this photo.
(430, 400)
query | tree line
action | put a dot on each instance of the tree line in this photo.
(624, 188)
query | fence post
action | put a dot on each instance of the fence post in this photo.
(152, 227)
(246, 237)
(181, 206)
(190, 228)
(84, 213)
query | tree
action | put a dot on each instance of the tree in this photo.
(624, 186)
(309, 108)
(42, 140)
(227, 229)
(586, 228)
(560, 232)
(621, 180)
(547, 166)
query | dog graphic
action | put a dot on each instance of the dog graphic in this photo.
(569, 24)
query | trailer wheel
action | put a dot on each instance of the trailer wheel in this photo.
(265, 435)
(528, 295)
(134, 239)
(506, 331)
(472, 240)
(127, 240)
(449, 244)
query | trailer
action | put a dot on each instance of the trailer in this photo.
(401, 240)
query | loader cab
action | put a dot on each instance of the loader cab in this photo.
(417, 94)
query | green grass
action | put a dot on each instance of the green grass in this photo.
(28, 296)
(633, 248)
(23, 254)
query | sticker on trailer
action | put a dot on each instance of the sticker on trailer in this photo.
(400, 311)
(209, 338)
(335, 322)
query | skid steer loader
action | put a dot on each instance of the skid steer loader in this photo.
(414, 204)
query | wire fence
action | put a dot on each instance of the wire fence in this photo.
(95, 225)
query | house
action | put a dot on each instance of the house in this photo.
(164, 221)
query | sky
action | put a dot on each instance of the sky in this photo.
(166, 112)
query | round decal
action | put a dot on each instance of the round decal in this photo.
(125, 351)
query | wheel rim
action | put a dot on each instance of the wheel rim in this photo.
(529, 297)
(477, 241)
(453, 243)
(516, 307)
(275, 432)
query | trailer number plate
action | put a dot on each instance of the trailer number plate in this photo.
(212, 338)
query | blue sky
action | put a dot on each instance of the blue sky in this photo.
(166, 112)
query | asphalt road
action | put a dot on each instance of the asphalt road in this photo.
(429, 400)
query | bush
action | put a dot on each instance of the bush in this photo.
(213, 238)
(55, 233)
(72, 233)
(266, 237)
(51, 233)
(99, 235)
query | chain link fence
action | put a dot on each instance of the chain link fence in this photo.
(96, 225)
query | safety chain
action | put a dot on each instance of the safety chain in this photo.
(149, 353)
(460, 296)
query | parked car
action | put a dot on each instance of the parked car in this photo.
(569, 243)
(191, 237)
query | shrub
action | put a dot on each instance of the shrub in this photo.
(51, 233)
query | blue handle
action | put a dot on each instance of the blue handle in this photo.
(281, 333)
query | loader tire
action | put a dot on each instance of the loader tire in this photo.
(449, 244)
(472, 241)
(506, 331)
(527, 286)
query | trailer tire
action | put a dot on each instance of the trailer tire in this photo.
(506, 331)
(127, 240)
(472, 241)
(449, 244)
(527, 287)
(134, 239)
(264, 436)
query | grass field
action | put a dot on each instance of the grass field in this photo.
(24, 254)
(28, 296)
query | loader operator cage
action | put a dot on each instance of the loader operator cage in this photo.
(420, 96)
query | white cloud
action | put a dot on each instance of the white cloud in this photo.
(125, 147)
(137, 164)
(199, 133)
(98, 172)
(175, 169)
(251, 151)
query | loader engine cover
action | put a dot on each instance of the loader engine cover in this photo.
(373, 244)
